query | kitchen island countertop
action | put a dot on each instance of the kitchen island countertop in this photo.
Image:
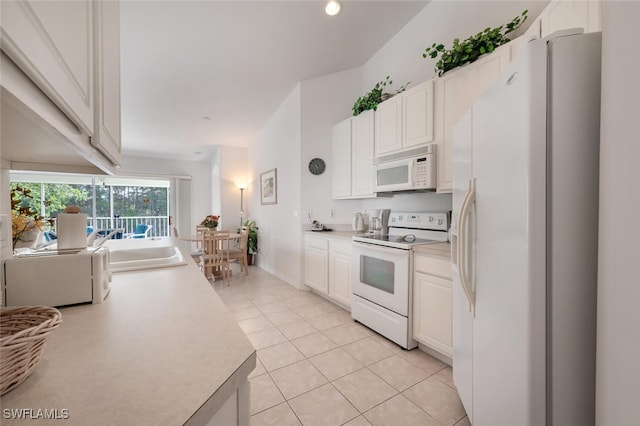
(161, 349)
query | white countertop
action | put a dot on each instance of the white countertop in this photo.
(342, 235)
(159, 347)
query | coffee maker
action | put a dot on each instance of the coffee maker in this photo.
(379, 222)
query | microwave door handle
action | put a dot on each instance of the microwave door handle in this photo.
(412, 175)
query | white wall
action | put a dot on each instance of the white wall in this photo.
(325, 101)
(618, 349)
(216, 182)
(233, 171)
(279, 235)
(200, 179)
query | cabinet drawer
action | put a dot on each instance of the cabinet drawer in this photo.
(318, 243)
(343, 247)
(433, 266)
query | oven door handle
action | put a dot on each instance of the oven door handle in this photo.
(381, 249)
(469, 199)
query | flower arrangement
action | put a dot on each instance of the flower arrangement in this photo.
(210, 221)
(24, 220)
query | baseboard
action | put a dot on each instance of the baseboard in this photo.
(435, 354)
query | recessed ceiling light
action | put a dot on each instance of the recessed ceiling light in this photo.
(332, 8)
(206, 117)
(198, 153)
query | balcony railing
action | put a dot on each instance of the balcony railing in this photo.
(159, 224)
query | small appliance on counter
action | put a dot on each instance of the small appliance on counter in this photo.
(57, 277)
(379, 222)
(357, 225)
(318, 227)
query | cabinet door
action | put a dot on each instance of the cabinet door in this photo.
(388, 131)
(107, 77)
(340, 272)
(563, 14)
(432, 312)
(316, 266)
(532, 33)
(341, 154)
(362, 155)
(52, 42)
(455, 93)
(417, 115)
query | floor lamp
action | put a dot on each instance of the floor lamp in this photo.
(241, 187)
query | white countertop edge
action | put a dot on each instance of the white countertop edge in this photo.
(338, 235)
(213, 404)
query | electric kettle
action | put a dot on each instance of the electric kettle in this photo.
(358, 223)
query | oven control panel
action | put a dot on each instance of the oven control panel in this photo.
(433, 221)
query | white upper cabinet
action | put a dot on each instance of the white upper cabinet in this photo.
(341, 154)
(564, 14)
(388, 131)
(106, 137)
(417, 110)
(456, 92)
(352, 153)
(53, 43)
(532, 33)
(405, 121)
(362, 155)
(69, 52)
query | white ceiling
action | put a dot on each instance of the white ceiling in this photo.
(235, 62)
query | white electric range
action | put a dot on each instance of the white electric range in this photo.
(382, 280)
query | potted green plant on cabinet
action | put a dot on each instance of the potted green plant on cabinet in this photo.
(375, 96)
(472, 48)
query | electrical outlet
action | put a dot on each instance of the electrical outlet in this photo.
(333, 213)
(310, 215)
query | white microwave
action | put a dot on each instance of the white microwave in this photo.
(406, 171)
(57, 277)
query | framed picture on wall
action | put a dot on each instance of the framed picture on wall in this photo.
(269, 187)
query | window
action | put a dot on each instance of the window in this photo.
(119, 202)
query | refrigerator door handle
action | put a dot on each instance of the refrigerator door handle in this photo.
(469, 199)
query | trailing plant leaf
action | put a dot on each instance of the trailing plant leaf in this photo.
(473, 47)
(375, 96)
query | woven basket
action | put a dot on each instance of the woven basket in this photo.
(23, 334)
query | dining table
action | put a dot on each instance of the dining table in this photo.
(198, 238)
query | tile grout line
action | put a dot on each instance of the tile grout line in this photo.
(338, 346)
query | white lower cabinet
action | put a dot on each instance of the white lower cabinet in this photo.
(316, 263)
(340, 271)
(327, 267)
(432, 303)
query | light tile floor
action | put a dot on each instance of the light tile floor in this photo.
(316, 366)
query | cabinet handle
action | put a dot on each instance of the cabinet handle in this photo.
(469, 199)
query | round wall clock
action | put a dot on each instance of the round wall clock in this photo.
(317, 166)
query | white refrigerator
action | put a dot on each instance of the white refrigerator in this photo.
(524, 239)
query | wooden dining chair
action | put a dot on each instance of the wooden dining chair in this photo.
(240, 253)
(215, 254)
